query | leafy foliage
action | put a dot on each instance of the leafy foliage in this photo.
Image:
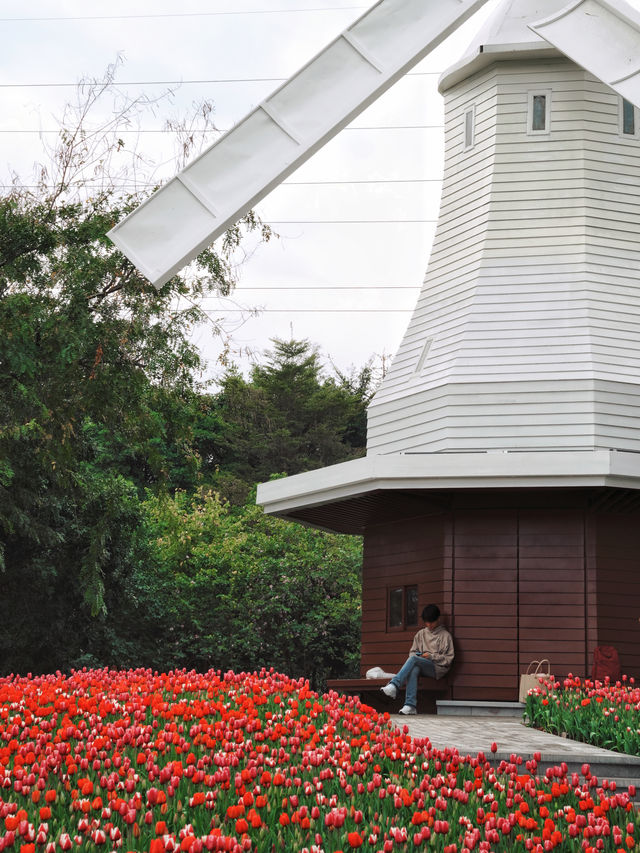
(599, 713)
(289, 417)
(227, 586)
(114, 548)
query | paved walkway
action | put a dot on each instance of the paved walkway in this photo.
(471, 735)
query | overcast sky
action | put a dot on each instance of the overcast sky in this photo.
(355, 222)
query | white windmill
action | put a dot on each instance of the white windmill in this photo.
(502, 474)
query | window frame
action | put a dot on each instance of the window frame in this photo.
(469, 143)
(423, 356)
(531, 95)
(404, 590)
(636, 119)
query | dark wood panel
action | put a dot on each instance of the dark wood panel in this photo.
(541, 550)
(467, 614)
(556, 523)
(485, 575)
(578, 587)
(567, 588)
(496, 565)
(380, 567)
(485, 694)
(618, 585)
(545, 598)
(479, 631)
(469, 585)
(474, 550)
(569, 566)
(498, 680)
(499, 644)
(530, 648)
(478, 655)
(534, 622)
(552, 610)
(494, 600)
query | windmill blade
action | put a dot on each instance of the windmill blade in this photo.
(603, 36)
(216, 189)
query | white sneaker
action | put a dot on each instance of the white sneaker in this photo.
(407, 709)
(389, 690)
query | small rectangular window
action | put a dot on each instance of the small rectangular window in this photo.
(628, 118)
(395, 607)
(538, 113)
(469, 129)
(539, 120)
(423, 356)
(411, 609)
(402, 607)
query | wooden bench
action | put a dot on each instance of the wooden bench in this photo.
(428, 689)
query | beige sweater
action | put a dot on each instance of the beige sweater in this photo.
(439, 646)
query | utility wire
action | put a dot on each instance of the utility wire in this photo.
(347, 221)
(373, 181)
(226, 129)
(117, 83)
(183, 14)
(241, 288)
(135, 184)
(260, 311)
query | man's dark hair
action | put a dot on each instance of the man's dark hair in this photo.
(431, 613)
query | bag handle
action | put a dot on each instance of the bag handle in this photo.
(539, 663)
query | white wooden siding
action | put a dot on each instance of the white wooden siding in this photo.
(531, 298)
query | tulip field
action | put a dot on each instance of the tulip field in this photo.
(600, 713)
(141, 761)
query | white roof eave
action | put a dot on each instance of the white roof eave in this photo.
(436, 471)
(602, 36)
(490, 53)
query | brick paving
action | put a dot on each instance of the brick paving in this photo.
(473, 734)
(476, 734)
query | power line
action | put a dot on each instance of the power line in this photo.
(117, 83)
(241, 288)
(308, 311)
(183, 14)
(137, 184)
(226, 129)
(347, 221)
(373, 181)
(142, 83)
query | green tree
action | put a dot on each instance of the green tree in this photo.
(98, 386)
(111, 549)
(230, 587)
(289, 416)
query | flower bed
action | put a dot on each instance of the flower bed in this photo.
(601, 714)
(191, 762)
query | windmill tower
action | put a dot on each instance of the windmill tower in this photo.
(502, 476)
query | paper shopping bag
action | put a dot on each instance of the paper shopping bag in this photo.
(538, 674)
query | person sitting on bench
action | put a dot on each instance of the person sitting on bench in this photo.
(431, 655)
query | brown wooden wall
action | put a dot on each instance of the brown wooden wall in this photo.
(403, 552)
(617, 587)
(516, 581)
(485, 603)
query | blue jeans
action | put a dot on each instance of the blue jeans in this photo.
(411, 669)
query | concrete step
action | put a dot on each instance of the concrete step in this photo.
(472, 727)
(624, 770)
(460, 708)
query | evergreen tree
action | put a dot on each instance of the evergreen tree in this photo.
(289, 416)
